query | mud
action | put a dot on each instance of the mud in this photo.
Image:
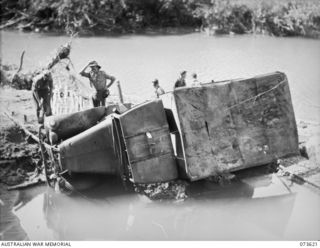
(18, 156)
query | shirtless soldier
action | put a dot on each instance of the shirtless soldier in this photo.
(98, 79)
(42, 86)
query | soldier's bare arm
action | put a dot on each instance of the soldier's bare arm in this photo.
(84, 73)
(111, 78)
(50, 81)
(35, 87)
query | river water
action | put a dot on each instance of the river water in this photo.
(137, 60)
(256, 207)
(262, 207)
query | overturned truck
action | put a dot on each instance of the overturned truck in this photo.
(191, 133)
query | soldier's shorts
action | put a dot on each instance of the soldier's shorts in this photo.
(99, 98)
(46, 110)
(100, 95)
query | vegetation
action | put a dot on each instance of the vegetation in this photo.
(279, 18)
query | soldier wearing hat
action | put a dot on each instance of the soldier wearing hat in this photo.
(98, 80)
(42, 86)
(181, 82)
(159, 91)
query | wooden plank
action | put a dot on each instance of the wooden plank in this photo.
(207, 129)
(278, 118)
(248, 117)
(236, 124)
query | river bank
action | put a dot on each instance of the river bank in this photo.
(277, 18)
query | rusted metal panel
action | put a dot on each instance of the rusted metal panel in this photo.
(91, 151)
(148, 145)
(232, 125)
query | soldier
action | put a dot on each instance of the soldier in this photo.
(42, 87)
(159, 91)
(181, 82)
(195, 81)
(98, 79)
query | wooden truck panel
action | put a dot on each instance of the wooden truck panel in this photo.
(232, 125)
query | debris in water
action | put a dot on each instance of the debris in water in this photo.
(174, 190)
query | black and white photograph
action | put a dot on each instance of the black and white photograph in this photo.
(159, 120)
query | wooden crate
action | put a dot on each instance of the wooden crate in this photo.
(231, 125)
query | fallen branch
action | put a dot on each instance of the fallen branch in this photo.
(21, 62)
(39, 179)
(16, 11)
(13, 22)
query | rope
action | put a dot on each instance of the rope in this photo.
(293, 175)
(242, 102)
(260, 94)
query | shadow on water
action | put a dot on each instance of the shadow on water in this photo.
(255, 205)
(97, 186)
(234, 211)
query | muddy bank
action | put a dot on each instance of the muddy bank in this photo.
(19, 156)
(19, 153)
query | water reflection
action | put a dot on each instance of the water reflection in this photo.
(213, 212)
(256, 205)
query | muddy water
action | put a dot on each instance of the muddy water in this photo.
(253, 208)
(137, 60)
